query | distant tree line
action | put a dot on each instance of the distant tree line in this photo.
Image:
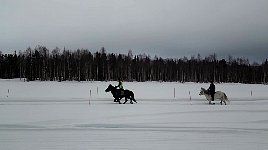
(82, 65)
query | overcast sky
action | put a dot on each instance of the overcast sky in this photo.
(166, 28)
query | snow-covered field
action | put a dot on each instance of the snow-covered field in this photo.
(80, 115)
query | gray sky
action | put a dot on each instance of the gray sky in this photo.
(166, 28)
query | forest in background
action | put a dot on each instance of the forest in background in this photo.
(43, 64)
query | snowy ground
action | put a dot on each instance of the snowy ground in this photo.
(57, 115)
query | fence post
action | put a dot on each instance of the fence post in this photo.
(190, 97)
(174, 92)
(89, 97)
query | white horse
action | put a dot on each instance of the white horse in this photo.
(218, 95)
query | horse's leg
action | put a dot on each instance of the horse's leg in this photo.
(134, 100)
(221, 101)
(209, 101)
(132, 97)
(131, 102)
(118, 100)
(125, 100)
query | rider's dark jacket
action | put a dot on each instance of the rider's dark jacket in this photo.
(211, 88)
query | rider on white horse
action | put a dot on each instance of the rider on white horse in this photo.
(211, 90)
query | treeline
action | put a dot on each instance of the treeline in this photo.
(82, 65)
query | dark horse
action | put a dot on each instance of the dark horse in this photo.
(119, 94)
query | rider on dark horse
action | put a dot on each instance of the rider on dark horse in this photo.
(120, 86)
(211, 90)
(117, 94)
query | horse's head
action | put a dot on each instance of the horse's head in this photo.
(202, 91)
(110, 88)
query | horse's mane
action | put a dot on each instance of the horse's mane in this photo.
(204, 90)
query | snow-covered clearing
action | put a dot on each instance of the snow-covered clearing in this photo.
(80, 115)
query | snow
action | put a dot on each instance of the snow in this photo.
(64, 115)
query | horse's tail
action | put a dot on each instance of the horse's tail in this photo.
(133, 97)
(226, 98)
